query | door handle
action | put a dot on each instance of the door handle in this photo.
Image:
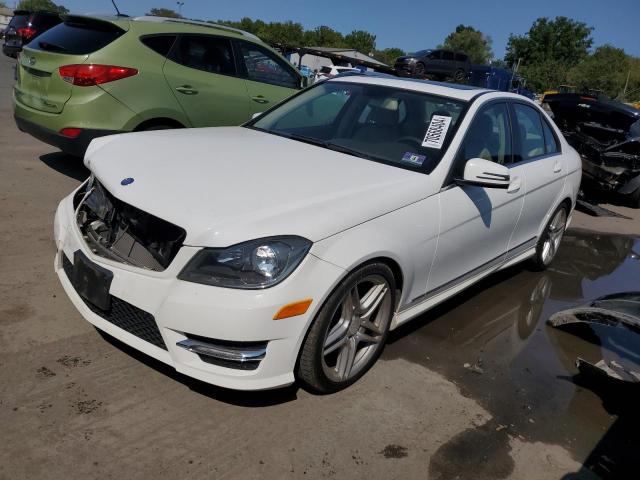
(515, 185)
(186, 89)
(557, 167)
(259, 99)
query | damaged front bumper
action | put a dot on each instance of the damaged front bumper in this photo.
(226, 337)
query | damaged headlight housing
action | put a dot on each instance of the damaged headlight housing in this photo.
(255, 264)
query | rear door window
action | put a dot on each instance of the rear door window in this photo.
(528, 131)
(205, 52)
(262, 66)
(550, 141)
(77, 37)
(159, 43)
(447, 55)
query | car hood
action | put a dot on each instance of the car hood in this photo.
(230, 184)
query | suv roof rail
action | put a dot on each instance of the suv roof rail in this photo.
(217, 26)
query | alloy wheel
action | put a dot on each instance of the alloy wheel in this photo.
(553, 236)
(357, 328)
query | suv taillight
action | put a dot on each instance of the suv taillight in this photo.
(26, 32)
(91, 74)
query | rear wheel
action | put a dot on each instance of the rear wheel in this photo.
(549, 241)
(459, 76)
(349, 332)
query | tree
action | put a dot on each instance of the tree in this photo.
(605, 69)
(46, 5)
(287, 33)
(362, 41)
(549, 50)
(164, 12)
(323, 36)
(473, 42)
(388, 55)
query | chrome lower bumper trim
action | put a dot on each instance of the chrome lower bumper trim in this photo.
(222, 352)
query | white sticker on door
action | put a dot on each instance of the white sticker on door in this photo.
(437, 131)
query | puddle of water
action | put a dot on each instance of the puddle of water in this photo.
(518, 368)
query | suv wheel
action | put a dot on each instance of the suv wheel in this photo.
(418, 71)
(349, 332)
(459, 76)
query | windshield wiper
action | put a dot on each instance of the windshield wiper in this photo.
(51, 47)
(355, 153)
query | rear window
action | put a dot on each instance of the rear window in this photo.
(325, 70)
(19, 21)
(76, 38)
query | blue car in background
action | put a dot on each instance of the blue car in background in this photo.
(497, 78)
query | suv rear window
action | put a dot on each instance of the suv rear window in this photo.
(77, 38)
(19, 20)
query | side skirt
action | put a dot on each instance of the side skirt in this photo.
(448, 290)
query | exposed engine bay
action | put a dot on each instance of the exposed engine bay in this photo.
(118, 231)
(606, 134)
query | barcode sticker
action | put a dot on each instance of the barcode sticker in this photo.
(437, 131)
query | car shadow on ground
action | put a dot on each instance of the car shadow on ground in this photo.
(66, 164)
(255, 399)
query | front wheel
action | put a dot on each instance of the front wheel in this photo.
(350, 330)
(549, 241)
(419, 70)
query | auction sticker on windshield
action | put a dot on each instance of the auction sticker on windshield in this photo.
(437, 131)
(413, 159)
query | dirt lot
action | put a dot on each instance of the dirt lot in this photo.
(479, 388)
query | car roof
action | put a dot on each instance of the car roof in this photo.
(195, 23)
(451, 90)
(184, 25)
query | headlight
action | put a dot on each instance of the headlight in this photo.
(255, 264)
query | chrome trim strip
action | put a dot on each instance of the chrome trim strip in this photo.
(510, 254)
(222, 353)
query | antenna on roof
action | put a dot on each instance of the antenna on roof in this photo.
(117, 10)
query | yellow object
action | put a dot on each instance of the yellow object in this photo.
(293, 309)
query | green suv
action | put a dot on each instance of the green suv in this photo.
(94, 76)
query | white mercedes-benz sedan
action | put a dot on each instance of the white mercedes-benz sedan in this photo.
(286, 249)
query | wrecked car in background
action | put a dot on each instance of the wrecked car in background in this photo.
(606, 134)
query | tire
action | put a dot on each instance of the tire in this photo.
(550, 239)
(343, 341)
(418, 71)
(459, 75)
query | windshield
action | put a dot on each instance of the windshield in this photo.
(397, 127)
(420, 53)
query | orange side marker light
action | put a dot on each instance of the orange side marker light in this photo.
(293, 309)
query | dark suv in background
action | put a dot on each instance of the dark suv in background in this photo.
(24, 27)
(439, 63)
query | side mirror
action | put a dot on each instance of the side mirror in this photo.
(483, 173)
(255, 115)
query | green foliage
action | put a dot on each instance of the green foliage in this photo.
(549, 50)
(388, 55)
(470, 41)
(362, 41)
(164, 12)
(46, 5)
(323, 36)
(607, 70)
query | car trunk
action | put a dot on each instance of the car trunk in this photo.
(39, 84)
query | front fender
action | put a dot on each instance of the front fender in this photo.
(407, 236)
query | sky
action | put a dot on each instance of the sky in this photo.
(410, 25)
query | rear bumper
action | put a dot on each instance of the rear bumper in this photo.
(73, 146)
(10, 50)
